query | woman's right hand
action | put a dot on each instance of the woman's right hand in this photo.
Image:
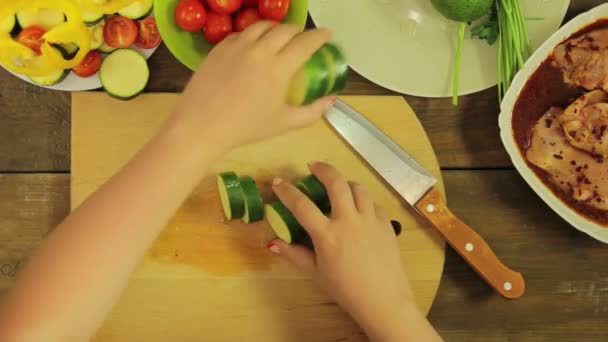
(356, 258)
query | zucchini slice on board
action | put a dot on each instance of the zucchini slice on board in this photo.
(315, 190)
(124, 74)
(231, 195)
(254, 205)
(284, 224)
(8, 24)
(46, 18)
(137, 10)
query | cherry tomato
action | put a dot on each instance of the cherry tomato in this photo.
(90, 64)
(218, 27)
(32, 38)
(119, 32)
(250, 3)
(245, 18)
(148, 37)
(274, 9)
(225, 6)
(190, 15)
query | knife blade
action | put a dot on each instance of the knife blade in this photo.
(417, 187)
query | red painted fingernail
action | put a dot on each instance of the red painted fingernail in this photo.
(273, 248)
(332, 102)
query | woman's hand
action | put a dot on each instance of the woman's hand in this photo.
(357, 257)
(239, 93)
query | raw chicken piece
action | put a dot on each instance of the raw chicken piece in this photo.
(577, 173)
(585, 123)
(584, 60)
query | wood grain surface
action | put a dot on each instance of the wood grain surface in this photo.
(567, 280)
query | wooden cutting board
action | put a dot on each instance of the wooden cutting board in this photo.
(205, 280)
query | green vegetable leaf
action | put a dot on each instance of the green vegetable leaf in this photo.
(488, 29)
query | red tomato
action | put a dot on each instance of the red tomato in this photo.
(274, 9)
(218, 27)
(225, 6)
(190, 15)
(250, 3)
(32, 38)
(90, 64)
(148, 37)
(119, 32)
(245, 18)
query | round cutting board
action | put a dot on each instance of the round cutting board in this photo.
(205, 279)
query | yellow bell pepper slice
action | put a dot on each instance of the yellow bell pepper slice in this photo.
(22, 60)
(106, 6)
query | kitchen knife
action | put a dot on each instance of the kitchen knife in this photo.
(416, 186)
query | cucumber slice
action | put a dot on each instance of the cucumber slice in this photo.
(90, 17)
(315, 190)
(284, 224)
(310, 82)
(231, 195)
(8, 24)
(68, 51)
(97, 35)
(137, 10)
(105, 48)
(337, 68)
(254, 205)
(124, 74)
(51, 79)
(46, 18)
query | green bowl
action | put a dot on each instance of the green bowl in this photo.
(192, 48)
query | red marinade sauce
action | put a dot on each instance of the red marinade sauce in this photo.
(544, 89)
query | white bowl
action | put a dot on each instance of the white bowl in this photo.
(577, 220)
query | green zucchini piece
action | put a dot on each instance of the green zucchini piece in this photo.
(97, 35)
(51, 79)
(310, 82)
(90, 17)
(231, 195)
(137, 10)
(46, 18)
(68, 50)
(124, 74)
(337, 67)
(105, 48)
(284, 224)
(315, 190)
(8, 24)
(254, 205)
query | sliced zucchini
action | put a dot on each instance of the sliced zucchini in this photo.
(310, 82)
(284, 224)
(137, 10)
(51, 79)
(337, 68)
(105, 48)
(124, 74)
(314, 189)
(46, 18)
(7, 25)
(97, 35)
(90, 17)
(231, 195)
(68, 50)
(254, 205)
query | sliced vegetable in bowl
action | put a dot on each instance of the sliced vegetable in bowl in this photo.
(93, 20)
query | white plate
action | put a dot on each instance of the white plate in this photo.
(408, 47)
(75, 83)
(506, 131)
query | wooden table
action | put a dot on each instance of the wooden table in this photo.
(566, 273)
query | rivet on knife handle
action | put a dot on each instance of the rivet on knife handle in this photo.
(471, 246)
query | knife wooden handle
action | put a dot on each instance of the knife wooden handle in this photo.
(471, 246)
